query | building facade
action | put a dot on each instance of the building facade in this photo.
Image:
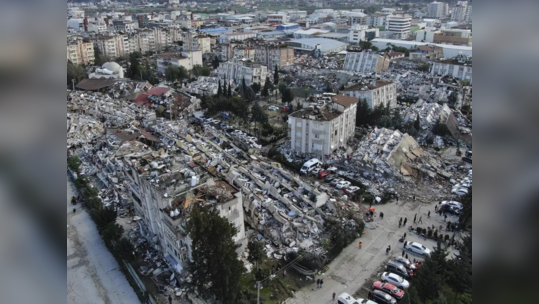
(454, 36)
(376, 93)
(240, 36)
(186, 59)
(272, 55)
(322, 131)
(398, 26)
(365, 62)
(460, 67)
(80, 52)
(376, 20)
(459, 13)
(438, 9)
(239, 70)
(362, 32)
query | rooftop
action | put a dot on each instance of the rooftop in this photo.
(315, 114)
(370, 85)
(344, 101)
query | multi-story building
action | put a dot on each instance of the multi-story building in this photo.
(238, 70)
(197, 42)
(126, 26)
(247, 52)
(376, 93)
(365, 61)
(454, 36)
(362, 32)
(398, 26)
(469, 14)
(239, 36)
(426, 52)
(279, 18)
(353, 18)
(459, 67)
(323, 130)
(459, 13)
(186, 59)
(272, 55)
(438, 9)
(376, 20)
(80, 52)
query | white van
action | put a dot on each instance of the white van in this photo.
(345, 298)
(310, 165)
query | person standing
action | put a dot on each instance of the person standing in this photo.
(405, 220)
(415, 218)
(428, 214)
(435, 208)
(400, 222)
(321, 283)
(360, 245)
(404, 236)
(403, 252)
(420, 220)
(445, 217)
(414, 197)
(318, 283)
(334, 294)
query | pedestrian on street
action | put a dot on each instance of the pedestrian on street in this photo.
(321, 283)
(169, 299)
(369, 296)
(415, 217)
(381, 215)
(360, 245)
(420, 220)
(318, 283)
(405, 243)
(405, 220)
(397, 199)
(406, 256)
(370, 204)
(400, 222)
(445, 217)
(74, 210)
(334, 294)
(404, 237)
(435, 208)
(428, 214)
(403, 252)
(448, 226)
(414, 197)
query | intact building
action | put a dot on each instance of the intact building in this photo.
(238, 70)
(362, 32)
(80, 52)
(272, 55)
(376, 92)
(398, 26)
(454, 36)
(239, 36)
(438, 9)
(459, 13)
(325, 129)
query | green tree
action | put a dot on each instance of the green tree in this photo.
(365, 45)
(175, 73)
(134, 65)
(363, 112)
(112, 233)
(266, 88)
(256, 87)
(424, 67)
(441, 299)
(219, 89)
(229, 91)
(256, 251)
(258, 114)
(124, 249)
(396, 118)
(287, 96)
(73, 162)
(466, 213)
(206, 71)
(431, 276)
(276, 76)
(225, 90)
(75, 73)
(215, 62)
(215, 262)
(103, 217)
(99, 58)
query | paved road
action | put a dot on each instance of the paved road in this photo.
(353, 266)
(93, 275)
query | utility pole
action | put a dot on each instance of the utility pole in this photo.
(73, 83)
(258, 292)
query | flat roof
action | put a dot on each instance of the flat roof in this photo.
(325, 44)
(319, 115)
(412, 43)
(344, 101)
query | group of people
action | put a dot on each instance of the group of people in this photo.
(319, 283)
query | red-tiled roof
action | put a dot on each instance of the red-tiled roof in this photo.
(344, 101)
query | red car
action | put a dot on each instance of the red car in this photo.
(323, 174)
(391, 289)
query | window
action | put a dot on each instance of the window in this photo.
(316, 136)
(336, 132)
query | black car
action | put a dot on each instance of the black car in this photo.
(404, 262)
(381, 297)
(399, 269)
(450, 209)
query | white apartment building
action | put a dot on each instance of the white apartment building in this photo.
(426, 35)
(459, 13)
(438, 9)
(197, 42)
(398, 26)
(322, 131)
(376, 92)
(80, 52)
(97, 27)
(376, 20)
(186, 59)
(459, 67)
(359, 33)
(280, 18)
(240, 36)
(365, 62)
(238, 70)
(356, 18)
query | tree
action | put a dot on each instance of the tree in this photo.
(452, 98)
(432, 274)
(215, 268)
(276, 76)
(225, 90)
(256, 87)
(134, 64)
(424, 67)
(229, 92)
(287, 96)
(75, 72)
(99, 58)
(417, 124)
(215, 62)
(365, 45)
(265, 89)
(396, 118)
(363, 112)
(112, 233)
(466, 213)
(440, 129)
(206, 71)
(103, 217)
(219, 89)
(124, 249)
(256, 251)
(258, 114)
(73, 162)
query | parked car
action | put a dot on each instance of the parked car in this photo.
(460, 191)
(329, 178)
(395, 279)
(362, 301)
(336, 181)
(382, 297)
(315, 171)
(453, 204)
(389, 288)
(450, 209)
(417, 248)
(343, 184)
(405, 262)
(323, 174)
(351, 189)
(399, 269)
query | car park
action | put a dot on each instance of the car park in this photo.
(323, 174)
(336, 181)
(310, 165)
(417, 248)
(315, 171)
(381, 297)
(395, 279)
(405, 262)
(329, 178)
(450, 209)
(459, 191)
(389, 288)
(399, 269)
(343, 184)
(452, 204)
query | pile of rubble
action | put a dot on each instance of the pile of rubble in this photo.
(322, 63)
